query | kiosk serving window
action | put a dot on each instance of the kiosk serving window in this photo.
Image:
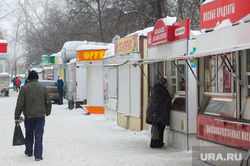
(155, 73)
(218, 98)
(175, 72)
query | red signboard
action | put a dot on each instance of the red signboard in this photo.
(3, 47)
(219, 10)
(181, 29)
(227, 132)
(163, 33)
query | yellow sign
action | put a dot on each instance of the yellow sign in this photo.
(56, 60)
(126, 45)
(90, 55)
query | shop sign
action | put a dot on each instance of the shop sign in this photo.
(219, 10)
(90, 55)
(48, 74)
(3, 47)
(56, 61)
(163, 33)
(181, 29)
(126, 45)
(3, 83)
(218, 130)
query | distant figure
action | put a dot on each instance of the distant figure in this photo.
(34, 102)
(60, 89)
(14, 83)
(18, 83)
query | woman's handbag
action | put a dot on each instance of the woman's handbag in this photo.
(18, 138)
(154, 130)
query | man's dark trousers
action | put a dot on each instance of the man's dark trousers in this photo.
(34, 128)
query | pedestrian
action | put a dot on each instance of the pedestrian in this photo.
(18, 83)
(14, 83)
(159, 110)
(34, 102)
(60, 89)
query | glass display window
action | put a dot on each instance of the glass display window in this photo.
(218, 78)
(176, 85)
(210, 66)
(219, 106)
(156, 71)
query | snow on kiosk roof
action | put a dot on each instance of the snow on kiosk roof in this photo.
(92, 47)
(69, 48)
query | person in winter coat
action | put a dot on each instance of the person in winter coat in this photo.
(34, 102)
(18, 83)
(60, 89)
(159, 111)
(14, 83)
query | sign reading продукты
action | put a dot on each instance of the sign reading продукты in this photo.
(215, 12)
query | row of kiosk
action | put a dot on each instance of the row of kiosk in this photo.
(207, 71)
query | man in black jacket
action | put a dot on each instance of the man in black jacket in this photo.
(34, 102)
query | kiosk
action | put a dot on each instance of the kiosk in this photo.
(223, 67)
(90, 61)
(168, 42)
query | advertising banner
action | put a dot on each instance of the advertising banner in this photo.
(227, 132)
(3, 83)
(90, 55)
(163, 33)
(126, 45)
(219, 10)
(3, 47)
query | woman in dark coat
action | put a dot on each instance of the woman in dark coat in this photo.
(160, 110)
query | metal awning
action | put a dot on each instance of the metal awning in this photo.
(213, 52)
(172, 58)
(116, 64)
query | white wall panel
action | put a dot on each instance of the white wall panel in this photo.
(124, 90)
(135, 90)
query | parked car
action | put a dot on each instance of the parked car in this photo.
(51, 86)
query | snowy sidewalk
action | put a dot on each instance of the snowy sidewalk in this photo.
(74, 139)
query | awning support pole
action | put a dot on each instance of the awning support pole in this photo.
(231, 72)
(144, 74)
(193, 73)
(179, 70)
(158, 70)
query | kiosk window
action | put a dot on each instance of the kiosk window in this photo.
(155, 73)
(179, 102)
(217, 76)
(219, 106)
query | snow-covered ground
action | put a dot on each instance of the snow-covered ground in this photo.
(72, 138)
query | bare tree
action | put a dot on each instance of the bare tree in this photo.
(45, 27)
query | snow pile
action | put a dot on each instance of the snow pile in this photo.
(109, 53)
(224, 24)
(3, 41)
(169, 20)
(193, 34)
(208, 1)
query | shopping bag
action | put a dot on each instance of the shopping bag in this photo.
(18, 138)
(154, 130)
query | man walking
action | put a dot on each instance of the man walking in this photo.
(18, 83)
(34, 102)
(60, 89)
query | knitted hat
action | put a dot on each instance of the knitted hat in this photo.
(162, 81)
(33, 75)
